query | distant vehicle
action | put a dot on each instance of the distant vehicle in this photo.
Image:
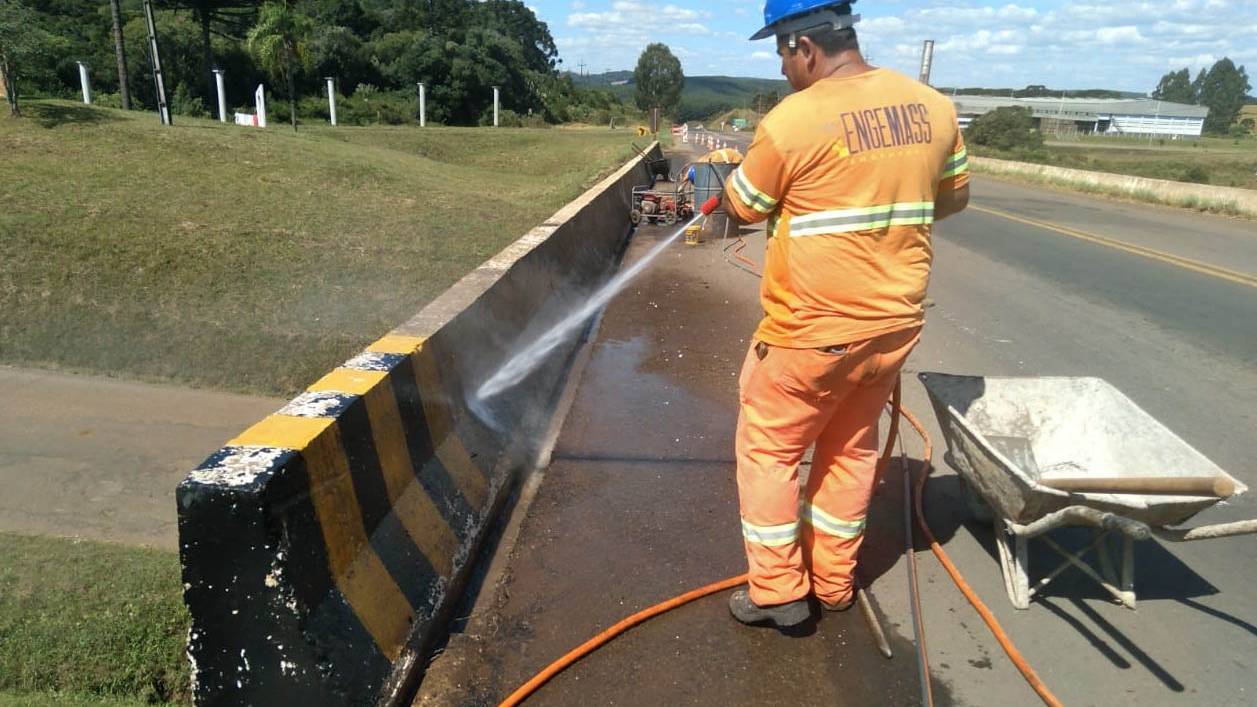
(699, 126)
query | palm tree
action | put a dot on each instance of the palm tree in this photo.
(279, 43)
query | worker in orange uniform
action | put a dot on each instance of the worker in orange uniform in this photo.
(850, 171)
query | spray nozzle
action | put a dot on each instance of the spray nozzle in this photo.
(710, 205)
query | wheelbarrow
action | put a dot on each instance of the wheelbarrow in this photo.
(1039, 453)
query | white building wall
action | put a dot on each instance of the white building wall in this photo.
(1155, 125)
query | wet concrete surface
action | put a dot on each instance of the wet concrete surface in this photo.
(639, 504)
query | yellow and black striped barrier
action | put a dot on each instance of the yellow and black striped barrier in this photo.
(323, 547)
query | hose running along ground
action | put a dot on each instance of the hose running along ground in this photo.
(915, 502)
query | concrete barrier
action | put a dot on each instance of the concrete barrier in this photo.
(324, 547)
(1185, 194)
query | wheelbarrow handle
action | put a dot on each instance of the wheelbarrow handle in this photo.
(1217, 486)
(1206, 532)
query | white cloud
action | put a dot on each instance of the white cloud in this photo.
(760, 56)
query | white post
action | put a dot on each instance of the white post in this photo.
(495, 106)
(87, 86)
(259, 97)
(423, 107)
(331, 98)
(222, 95)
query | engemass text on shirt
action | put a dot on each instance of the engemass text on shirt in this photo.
(886, 126)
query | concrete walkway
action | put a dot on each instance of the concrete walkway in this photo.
(639, 502)
(99, 458)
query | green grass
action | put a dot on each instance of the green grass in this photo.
(253, 260)
(1224, 207)
(1217, 161)
(86, 623)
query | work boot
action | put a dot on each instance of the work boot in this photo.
(780, 615)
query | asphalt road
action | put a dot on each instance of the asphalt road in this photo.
(639, 502)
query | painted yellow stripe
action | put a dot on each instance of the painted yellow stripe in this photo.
(348, 380)
(396, 344)
(283, 431)
(448, 447)
(358, 572)
(1171, 259)
(410, 503)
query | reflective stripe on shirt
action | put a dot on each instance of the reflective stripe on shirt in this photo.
(771, 535)
(956, 164)
(909, 213)
(749, 195)
(831, 525)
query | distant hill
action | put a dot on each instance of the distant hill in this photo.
(707, 96)
(702, 97)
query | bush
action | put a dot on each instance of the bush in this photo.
(1196, 173)
(184, 103)
(1009, 128)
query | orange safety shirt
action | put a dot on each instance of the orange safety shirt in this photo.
(847, 173)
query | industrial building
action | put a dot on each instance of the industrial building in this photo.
(1101, 116)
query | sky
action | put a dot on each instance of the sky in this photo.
(1117, 45)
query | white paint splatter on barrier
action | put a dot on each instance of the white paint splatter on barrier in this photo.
(322, 404)
(240, 467)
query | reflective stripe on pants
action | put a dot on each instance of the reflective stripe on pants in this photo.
(790, 400)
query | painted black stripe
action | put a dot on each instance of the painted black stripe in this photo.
(409, 567)
(364, 464)
(304, 565)
(357, 669)
(431, 474)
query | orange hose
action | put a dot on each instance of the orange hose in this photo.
(597, 641)
(1005, 642)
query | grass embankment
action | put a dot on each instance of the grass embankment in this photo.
(1217, 161)
(253, 260)
(84, 623)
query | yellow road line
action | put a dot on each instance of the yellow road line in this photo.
(1176, 260)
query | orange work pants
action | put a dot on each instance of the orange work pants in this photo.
(790, 400)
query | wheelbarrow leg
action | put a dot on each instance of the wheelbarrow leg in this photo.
(1128, 571)
(1125, 583)
(1014, 564)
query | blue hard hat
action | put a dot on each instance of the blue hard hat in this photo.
(777, 14)
(690, 175)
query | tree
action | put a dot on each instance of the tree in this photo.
(120, 52)
(1176, 87)
(1223, 90)
(226, 18)
(1007, 128)
(659, 79)
(279, 44)
(515, 20)
(21, 40)
(1197, 85)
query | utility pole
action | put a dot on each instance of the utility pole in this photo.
(927, 61)
(222, 95)
(582, 68)
(86, 82)
(163, 108)
(331, 99)
(423, 107)
(496, 92)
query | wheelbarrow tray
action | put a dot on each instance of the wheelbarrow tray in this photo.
(1076, 427)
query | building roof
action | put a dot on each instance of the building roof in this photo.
(1080, 108)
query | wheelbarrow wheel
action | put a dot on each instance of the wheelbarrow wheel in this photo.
(635, 216)
(670, 217)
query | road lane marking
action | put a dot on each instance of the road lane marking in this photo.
(1169, 258)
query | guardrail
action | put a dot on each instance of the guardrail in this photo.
(324, 547)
